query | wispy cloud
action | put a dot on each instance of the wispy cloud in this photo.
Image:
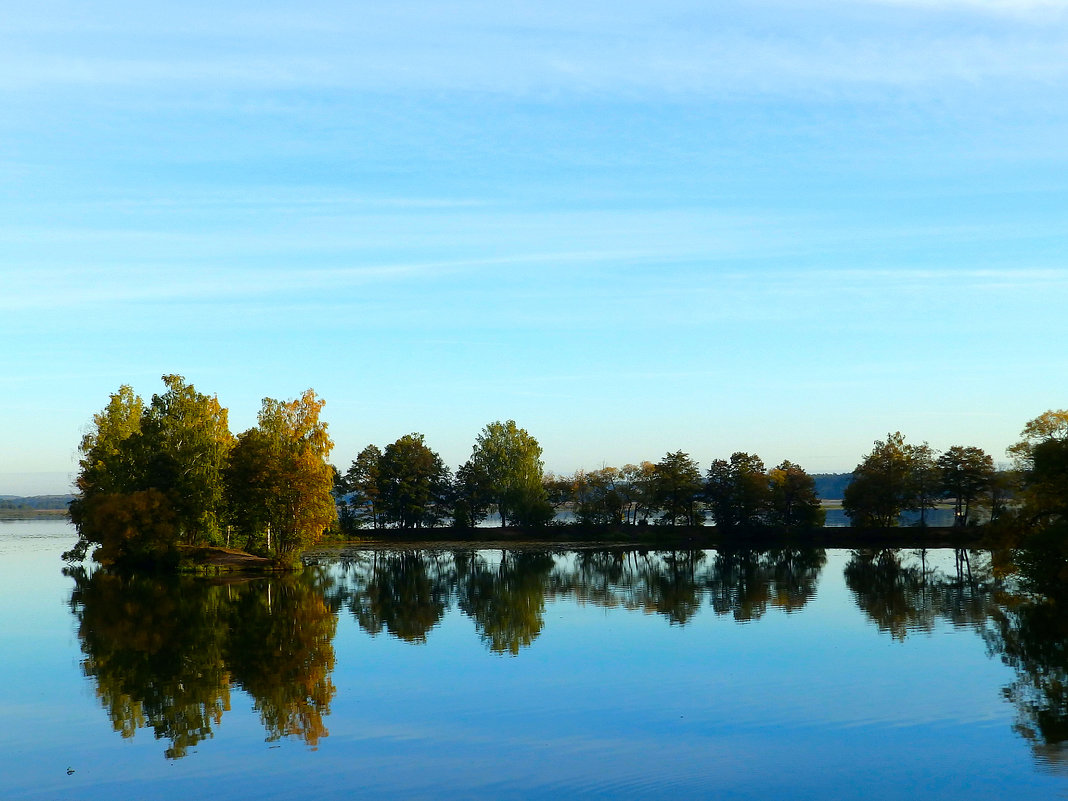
(619, 49)
(1044, 9)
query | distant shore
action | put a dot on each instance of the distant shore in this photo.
(33, 514)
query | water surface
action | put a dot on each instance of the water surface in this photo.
(530, 674)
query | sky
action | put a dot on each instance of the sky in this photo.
(780, 227)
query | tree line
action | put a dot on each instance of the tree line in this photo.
(407, 485)
(154, 477)
(897, 477)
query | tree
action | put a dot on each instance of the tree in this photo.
(737, 491)
(558, 490)
(471, 498)
(184, 445)
(1042, 460)
(510, 458)
(923, 480)
(280, 481)
(161, 465)
(106, 470)
(637, 487)
(1050, 425)
(135, 529)
(966, 473)
(676, 485)
(880, 489)
(598, 500)
(792, 498)
(361, 480)
(413, 483)
(106, 464)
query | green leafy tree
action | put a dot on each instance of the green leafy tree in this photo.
(151, 477)
(184, 445)
(558, 490)
(598, 499)
(966, 475)
(676, 486)
(737, 491)
(882, 486)
(510, 458)
(107, 471)
(792, 499)
(1041, 457)
(923, 480)
(638, 488)
(413, 484)
(106, 463)
(362, 482)
(471, 495)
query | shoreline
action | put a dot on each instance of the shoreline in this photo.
(659, 538)
(32, 514)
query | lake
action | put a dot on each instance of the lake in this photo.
(802, 674)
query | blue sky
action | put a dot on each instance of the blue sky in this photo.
(780, 227)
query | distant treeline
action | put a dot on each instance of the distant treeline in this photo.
(42, 502)
(831, 486)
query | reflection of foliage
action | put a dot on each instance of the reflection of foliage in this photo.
(506, 603)
(407, 593)
(154, 648)
(901, 595)
(1043, 561)
(280, 652)
(164, 651)
(893, 594)
(670, 587)
(743, 583)
(1031, 636)
(404, 594)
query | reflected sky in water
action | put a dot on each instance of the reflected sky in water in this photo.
(598, 674)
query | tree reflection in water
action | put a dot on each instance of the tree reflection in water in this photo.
(744, 583)
(507, 602)
(902, 594)
(165, 651)
(408, 592)
(1020, 615)
(404, 592)
(1029, 631)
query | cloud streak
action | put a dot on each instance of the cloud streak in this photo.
(680, 48)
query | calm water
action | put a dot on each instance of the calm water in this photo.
(485, 674)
